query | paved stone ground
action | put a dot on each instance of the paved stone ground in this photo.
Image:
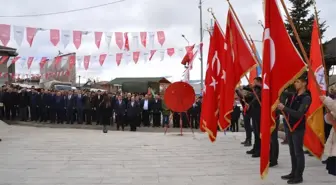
(54, 156)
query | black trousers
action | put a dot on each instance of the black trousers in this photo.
(43, 111)
(234, 125)
(256, 132)
(295, 143)
(33, 113)
(145, 118)
(194, 120)
(120, 122)
(156, 119)
(274, 153)
(133, 122)
(87, 116)
(248, 128)
(70, 115)
(176, 120)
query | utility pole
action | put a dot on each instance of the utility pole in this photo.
(201, 41)
(79, 81)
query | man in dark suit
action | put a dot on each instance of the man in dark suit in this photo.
(96, 102)
(194, 113)
(23, 104)
(58, 107)
(156, 110)
(42, 101)
(120, 110)
(70, 106)
(132, 113)
(79, 107)
(34, 107)
(235, 115)
(145, 106)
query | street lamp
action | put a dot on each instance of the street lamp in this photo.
(186, 39)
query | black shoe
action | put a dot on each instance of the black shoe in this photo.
(248, 143)
(0, 140)
(295, 181)
(273, 164)
(287, 177)
(250, 152)
(243, 143)
(256, 155)
(324, 162)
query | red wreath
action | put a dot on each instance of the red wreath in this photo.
(179, 96)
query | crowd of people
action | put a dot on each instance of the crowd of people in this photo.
(294, 103)
(85, 107)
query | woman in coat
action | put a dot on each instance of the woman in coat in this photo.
(105, 109)
(330, 145)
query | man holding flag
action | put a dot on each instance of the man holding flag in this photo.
(280, 53)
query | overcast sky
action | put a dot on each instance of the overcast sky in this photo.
(175, 17)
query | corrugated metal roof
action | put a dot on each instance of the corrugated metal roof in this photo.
(7, 51)
(140, 79)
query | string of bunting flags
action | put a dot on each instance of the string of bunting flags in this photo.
(118, 57)
(45, 75)
(8, 32)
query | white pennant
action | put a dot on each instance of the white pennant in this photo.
(79, 60)
(64, 61)
(9, 62)
(181, 52)
(50, 61)
(135, 41)
(108, 38)
(162, 54)
(110, 58)
(145, 56)
(65, 37)
(128, 57)
(151, 39)
(94, 60)
(18, 34)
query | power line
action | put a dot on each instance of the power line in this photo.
(62, 12)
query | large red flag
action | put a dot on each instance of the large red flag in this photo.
(238, 61)
(314, 135)
(279, 53)
(209, 114)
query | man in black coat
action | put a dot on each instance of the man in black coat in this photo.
(156, 110)
(132, 113)
(194, 113)
(120, 110)
(70, 102)
(255, 114)
(23, 104)
(145, 106)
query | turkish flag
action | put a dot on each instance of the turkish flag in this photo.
(189, 55)
(238, 61)
(210, 108)
(253, 75)
(278, 48)
(314, 136)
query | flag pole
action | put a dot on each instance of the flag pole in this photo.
(304, 53)
(321, 46)
(242, 29)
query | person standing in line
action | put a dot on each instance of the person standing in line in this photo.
(235, 115)
(145, 106)
(165, 114)
(330, 145)
(120, 110)
(255, 114)
(132, 113)
(295, 113)
(245, 98)
(157, 109)
(105, 109)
